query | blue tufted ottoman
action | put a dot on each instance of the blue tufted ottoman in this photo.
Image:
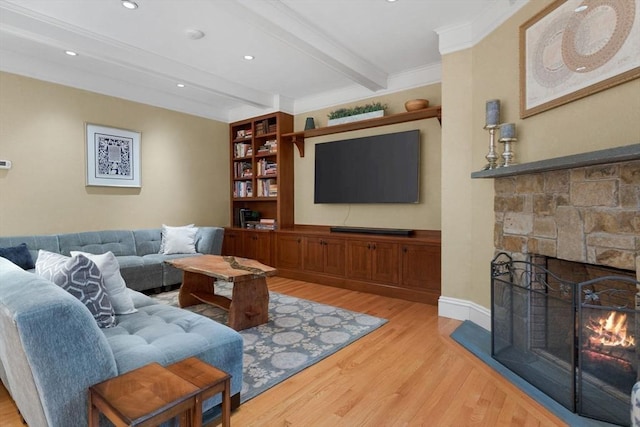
(166, 334)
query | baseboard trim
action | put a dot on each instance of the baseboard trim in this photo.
(460, 309)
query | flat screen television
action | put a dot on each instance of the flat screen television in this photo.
(374, 169)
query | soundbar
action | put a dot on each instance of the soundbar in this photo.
(366, 230)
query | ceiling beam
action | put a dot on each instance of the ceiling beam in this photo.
(279, 20)
(15, 20)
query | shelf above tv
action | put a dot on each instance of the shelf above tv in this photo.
(298, 137)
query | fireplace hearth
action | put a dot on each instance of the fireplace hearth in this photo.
(570, 329)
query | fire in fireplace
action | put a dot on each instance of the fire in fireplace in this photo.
(610, 331)
(570, 329)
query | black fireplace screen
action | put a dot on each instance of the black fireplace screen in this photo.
(574, 341)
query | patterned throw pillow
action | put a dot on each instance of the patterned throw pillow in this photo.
(114, 284)
(80, 277)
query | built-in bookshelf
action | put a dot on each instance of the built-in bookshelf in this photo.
(262, 170)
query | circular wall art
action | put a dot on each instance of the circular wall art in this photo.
(574, 48)
(593, 36)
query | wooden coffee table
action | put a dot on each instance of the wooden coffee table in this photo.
(249, 302)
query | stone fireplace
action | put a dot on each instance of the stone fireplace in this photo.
(587, 214)
(563, 228)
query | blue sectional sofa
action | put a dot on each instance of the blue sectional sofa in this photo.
(141, 265)
(52, 349)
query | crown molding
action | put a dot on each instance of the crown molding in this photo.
(465, 35)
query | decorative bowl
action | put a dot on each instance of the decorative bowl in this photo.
(416, 104)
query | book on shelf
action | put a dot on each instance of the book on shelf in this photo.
(270, 170)
(242, 149)
(262, 127)
(266, 167)
(267, 187)
(257, 225)
(242, 170)
(243, 133)
(242, 189)
(272, 145)
(266, 224)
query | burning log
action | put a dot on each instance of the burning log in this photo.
(610, 331)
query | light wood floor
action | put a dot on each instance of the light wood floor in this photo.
(406, 373)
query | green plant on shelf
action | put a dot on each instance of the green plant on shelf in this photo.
(346, 112)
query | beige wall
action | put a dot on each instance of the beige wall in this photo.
(42, 132)
(184, 163)
(490, 70)
(424, 215)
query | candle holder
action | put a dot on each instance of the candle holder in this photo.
(508, 156)
(492, 156)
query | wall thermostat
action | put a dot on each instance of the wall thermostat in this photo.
(5, 164)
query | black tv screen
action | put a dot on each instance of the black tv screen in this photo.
(373, 169)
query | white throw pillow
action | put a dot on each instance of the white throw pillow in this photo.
(113, 282)
(178, 240)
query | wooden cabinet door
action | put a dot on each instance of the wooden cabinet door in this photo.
(313, 254)
(232, 242)
(421, 267)
(334, 256)
(257, 245)
(288, 251)
(359, 259)
(384, 262)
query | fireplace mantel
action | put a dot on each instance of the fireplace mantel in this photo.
(610, 155)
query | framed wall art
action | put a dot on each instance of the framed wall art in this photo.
(113, 157)
(575, 48)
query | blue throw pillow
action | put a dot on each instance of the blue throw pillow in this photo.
(19, 255)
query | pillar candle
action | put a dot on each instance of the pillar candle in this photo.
(493, 112)
(508, 130)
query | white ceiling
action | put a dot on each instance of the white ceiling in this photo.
(309, 54)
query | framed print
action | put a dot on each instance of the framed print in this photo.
(575, 48)
(113, 157)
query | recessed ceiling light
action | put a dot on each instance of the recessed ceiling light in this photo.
(180, 85)
(194, 34)
(581, 8)
(249, 57)
(71, 53)
(129, 4)
(391, 1)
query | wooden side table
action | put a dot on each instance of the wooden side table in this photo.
(146, 396)
(210, 381)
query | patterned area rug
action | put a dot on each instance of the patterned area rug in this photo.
(299, 333)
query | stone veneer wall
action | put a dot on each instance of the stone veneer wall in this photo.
(588, 214)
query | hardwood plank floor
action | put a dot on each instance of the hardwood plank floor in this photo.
(406, 373)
